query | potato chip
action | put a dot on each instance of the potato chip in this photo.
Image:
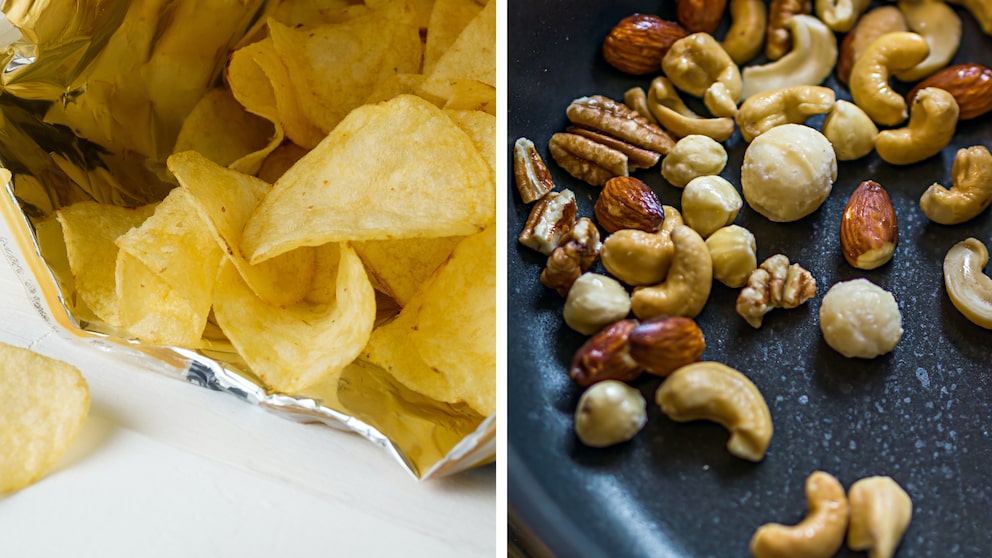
(472, 55)
(461, 94)
(279, 161)
(448, 19)
(398, 267)
(153, 311)
(398, 84)
(45, 402)
(399, 169)
(293, 347)
(221, 130)
(481, 127)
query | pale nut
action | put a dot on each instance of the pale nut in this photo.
(968, 287)
(774, 284)
(532, 176)
(595, 301)
(716, 392)
(936, 22)
(812, 58)
(710, 203)
(636, 99)
(869, 80)
(981, 9)
(700, 15)
(687, 285)
(733, 251)
(787, 105)
(841, 15)
(637, 43)
(970, 192)
(932, 123)
(779, 40)
(880, 513)
(626, 202)
(850, 131)
(859, 319)
(693, 156)
(869, 230)
(872, 25)
(609, 413)
(671, 112)
(970, 84)
(819, 535)
(698, 65)
(641, 258)
(746, 35)
(550, 219)
(666, 343)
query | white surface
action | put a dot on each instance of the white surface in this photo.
(165, 468)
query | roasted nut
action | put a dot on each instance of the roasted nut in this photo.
(840, 15)
(532, 176)
(969, 289)
(694, 155)
(606, 356)
(872, 25)
(936, 22)
(609, 413)
(746, 36)
(641, 258)
(716, 392)
(577, 253)
(981, 9)
(890, 53)
(970, 192)
(819, 535)
(710, 203)
(636, 99)
(860, 319)
(812, 58)
(774, 284)
(616, 119)
(734, 255)
(665, 344)
(586, 159)
(880, 513)
(595, 301)
(780, 12)
(637, 158)
(788, 105)
(549, 221)
(869, 230)
(850, 131)
(628, 203)
(699, 66)
(672, 113)
(932, 122)
(788, 172)
(637, 43)
(700, 15)
(970, 84)
(687, 285)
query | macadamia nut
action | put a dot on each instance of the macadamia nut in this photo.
(788, 172)
(710, 203)
(694, 155)
(594, 301)
(610, 412)
(860, 319)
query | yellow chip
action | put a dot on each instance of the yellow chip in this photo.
(399, 267)
(472, 55)
(448, 19)
(481, 127)
(152, 311)
(45, 402)
(293, 347)
(399, 169)
(397, 84)
(221, 129)
(279, 161)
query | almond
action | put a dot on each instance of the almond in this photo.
(605, 356)
(869, 230)
(700, 15)
(664, 344)
(638, 42)
(628, 203)
(969, 84)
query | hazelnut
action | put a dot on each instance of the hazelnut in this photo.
(609, 413)
(710, 203)
(628, 203)
(595, 301)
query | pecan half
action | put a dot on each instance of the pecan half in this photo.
(586, 159)
(618, 120)
(637, 158)
(576, 254)
(532, 175)
(549, 221)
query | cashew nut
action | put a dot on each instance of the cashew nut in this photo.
(820, 534)
(713, 391)
(710, 203)
(936, 22)
(932, 122)
(812, 58)
(763, 111)
(869, 82)
(841, 15)
(692, 156)
(698, 65)
(880, 513)
(636, 99)
(981, 9)
(673, 114)
(970, 192)
(687, 286)
(595, 301)
(641, 258)
(609, 412)
(872, 25)
(734, 255)
(969, 289)
(746, 35)
(850, 131)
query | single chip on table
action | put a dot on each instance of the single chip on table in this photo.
(45, 402)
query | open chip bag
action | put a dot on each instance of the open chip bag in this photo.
(290, 201)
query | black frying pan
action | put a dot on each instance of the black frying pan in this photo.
(921, 414)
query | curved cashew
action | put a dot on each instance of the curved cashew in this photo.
(880, 513)
(641, 258)
(698, 65)
(812, 58)
(778, 37)
(687, 285)
(850, 131)
(970, 193)
(636, 99)
(841, 15)
(763, 111)
(820, 534)
(869, 81)
(872, 25)
(931, 126)
(981, 9)
(716, 392)
(673, 114)
(969, 289)
(746, 35)
(936, 22)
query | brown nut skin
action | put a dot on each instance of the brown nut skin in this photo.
(638, 42)
(969, 84)
(605, 356)
(869, 230)
(628, 203)
(778, 39)
(700, 15)
(667, 343)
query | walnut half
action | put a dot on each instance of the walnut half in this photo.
(774, 284)
(577, 253)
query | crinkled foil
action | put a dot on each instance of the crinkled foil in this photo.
(45, 61)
